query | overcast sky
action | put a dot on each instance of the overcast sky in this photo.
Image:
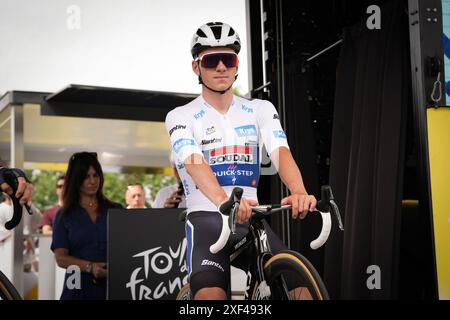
(46, 45)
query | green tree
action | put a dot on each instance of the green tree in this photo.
(114, 187)
(44, 182)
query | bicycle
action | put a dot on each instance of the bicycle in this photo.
(269, 275)
(7, 289)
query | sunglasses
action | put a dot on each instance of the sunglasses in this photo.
(83, 154)
(211, 60)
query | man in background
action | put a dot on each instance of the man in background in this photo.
(171, 196)
(135, 196)
(47, 218)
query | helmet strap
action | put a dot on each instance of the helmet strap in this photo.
(200, 81)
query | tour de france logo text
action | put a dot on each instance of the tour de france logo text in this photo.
(152, 280)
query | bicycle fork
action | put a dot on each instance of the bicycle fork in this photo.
(256, 282)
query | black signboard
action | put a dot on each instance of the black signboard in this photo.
(146, 254)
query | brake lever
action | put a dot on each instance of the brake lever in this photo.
(335, 210)
(232, 218)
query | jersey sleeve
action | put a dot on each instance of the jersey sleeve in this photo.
(60, 236)
(272, 134)
(181, 136)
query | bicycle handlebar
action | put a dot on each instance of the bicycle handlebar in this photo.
(11, 179)
(229, 209)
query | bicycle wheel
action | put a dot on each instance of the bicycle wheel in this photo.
(7, 290)
(185, 293)
(287, 274)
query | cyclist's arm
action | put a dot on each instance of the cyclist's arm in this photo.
(275, 140)
(205, 179)
(187, 151)
(288, 170)
(276, 144)
(207, 182)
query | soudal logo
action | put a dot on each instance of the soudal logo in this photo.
(177, 127)
(209, 141)
(232, 158)
(234, 154)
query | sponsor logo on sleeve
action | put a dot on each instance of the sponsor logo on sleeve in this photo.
(180, 166)
(279, 134)
(246, 131)
(276, 116)
(181, 143)
(177, 127)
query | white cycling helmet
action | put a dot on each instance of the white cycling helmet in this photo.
(215, 34)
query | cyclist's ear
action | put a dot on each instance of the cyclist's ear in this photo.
(195, 67)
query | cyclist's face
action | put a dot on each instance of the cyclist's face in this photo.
(220, 77)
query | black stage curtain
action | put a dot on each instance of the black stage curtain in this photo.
(367, 156)
(300, 133)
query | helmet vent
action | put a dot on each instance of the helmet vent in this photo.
(200, 33)
(217, 32)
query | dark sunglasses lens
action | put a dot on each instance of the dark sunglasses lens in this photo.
(212, 60)
(229, 60)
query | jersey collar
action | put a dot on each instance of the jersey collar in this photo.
(207, 105)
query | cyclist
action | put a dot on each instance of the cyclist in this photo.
(217, 140)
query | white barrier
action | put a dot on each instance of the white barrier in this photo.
(51, 277)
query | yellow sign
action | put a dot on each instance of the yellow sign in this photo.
(439, 158)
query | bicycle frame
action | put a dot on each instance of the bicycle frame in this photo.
(253, 252)
(254, 249)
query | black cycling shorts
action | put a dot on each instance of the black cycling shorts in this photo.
(208, 270)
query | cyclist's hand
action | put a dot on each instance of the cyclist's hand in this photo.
(245, 210)
(301, 204)
(99, 270)
(171, 201)
(24, 188)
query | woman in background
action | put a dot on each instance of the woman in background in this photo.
(79, 232)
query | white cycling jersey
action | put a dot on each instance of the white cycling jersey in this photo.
(230, 143)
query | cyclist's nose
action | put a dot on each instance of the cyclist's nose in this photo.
(221, 66)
